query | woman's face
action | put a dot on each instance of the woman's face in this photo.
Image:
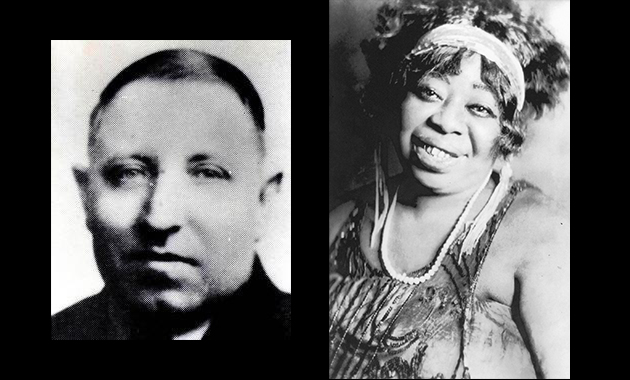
(449, 129)
(173, 193)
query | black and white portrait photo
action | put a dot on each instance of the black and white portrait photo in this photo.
(171, 190)
(449, 189)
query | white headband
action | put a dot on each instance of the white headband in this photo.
(481, 42)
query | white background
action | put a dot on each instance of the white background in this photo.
(79, 72)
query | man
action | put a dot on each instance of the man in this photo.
(173, 193)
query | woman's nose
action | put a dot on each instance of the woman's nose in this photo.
(448, 118)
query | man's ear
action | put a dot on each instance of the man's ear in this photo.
(273, 243)
(270, 188)
(83, 182)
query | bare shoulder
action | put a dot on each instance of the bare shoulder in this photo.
(337, 218)
(539, 233)
(533, 208)
(532, 238)
(536, 228)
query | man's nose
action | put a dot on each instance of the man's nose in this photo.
(448, 118)
(164, 205)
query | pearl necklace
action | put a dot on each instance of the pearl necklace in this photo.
(387, 265)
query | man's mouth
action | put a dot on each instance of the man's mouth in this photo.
(153, 256)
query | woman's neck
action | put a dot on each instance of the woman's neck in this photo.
(417, 200)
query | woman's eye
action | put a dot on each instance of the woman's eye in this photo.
(481, 111)
(209, 173)
(428, 94)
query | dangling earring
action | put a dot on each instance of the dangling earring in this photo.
(505, 175)
(382, 196)
(506, 172)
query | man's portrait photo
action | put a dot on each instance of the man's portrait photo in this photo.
(170, 192)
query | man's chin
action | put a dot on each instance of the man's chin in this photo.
(166, 311)
(162, 294)
(168, 301)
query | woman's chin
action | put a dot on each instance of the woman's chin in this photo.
(438, 183)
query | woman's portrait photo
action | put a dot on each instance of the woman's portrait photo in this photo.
(449, 189)
(170, 203)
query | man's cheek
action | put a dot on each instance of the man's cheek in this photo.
(223, 210)
(227, 234)
(118, 211)
(229, 256)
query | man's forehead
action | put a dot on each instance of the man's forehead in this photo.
(177, 114)
(143, 91)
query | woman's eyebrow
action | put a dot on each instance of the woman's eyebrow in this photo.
(482, 86)
(437, 75)
(485, 87)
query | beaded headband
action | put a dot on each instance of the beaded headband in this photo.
(481, 42)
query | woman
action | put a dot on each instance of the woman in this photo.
(455, 270)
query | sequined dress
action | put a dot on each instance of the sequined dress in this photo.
(382, 328)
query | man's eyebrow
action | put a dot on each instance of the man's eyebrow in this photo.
(140, 157)
(202, 157)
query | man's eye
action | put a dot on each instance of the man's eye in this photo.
(205, 172)
(481, 111)
(128, 177)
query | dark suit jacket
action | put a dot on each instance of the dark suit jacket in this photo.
(257, 311)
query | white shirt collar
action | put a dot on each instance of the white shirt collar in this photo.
(195, 334)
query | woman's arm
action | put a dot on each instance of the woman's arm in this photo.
(336, 219)
(543, 278)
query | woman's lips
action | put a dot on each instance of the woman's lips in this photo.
(434, 158)
(425, 142)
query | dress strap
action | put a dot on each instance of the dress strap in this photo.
(476, 253)
(478, 225)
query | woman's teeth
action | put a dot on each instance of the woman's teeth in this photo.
(434, 152)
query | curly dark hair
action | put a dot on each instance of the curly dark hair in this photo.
(393, 74)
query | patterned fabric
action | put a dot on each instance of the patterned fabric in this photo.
(382, 328)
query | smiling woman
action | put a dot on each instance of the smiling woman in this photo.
(455, 269)
(460, 163)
